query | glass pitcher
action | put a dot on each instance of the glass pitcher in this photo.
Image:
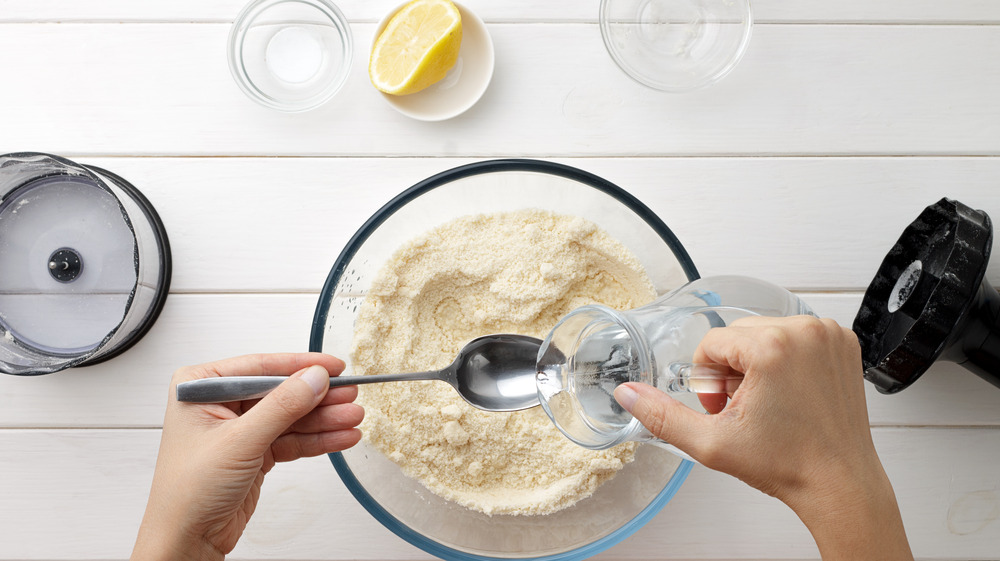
(594, 349)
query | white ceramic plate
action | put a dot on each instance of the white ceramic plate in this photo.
(464, 84)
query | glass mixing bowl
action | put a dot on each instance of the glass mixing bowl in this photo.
(619, 507)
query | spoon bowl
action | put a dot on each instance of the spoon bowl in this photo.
(492, 373)
(497, 372)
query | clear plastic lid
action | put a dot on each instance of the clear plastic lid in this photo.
(68, 263)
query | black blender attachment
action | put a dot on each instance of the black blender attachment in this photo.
(84, 264)
(930, 300)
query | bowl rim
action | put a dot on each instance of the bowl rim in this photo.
(428, 545)
(364, 232)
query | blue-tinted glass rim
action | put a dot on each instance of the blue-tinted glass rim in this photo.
(380, 216)
(451, 554)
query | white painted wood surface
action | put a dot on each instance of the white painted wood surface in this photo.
(843, 121)
(897, 90)
(765, 11)
(944, 491)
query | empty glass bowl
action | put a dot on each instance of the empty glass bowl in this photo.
(443, 528)
(290, 55)
(676, 45)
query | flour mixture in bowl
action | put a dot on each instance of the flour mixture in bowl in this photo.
(513, 272)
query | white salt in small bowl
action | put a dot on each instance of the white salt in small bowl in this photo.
(290, 55)
(464, 84)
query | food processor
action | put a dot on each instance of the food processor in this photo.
(84, 264)
(930, 300)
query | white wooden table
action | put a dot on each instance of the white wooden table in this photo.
(844, 120)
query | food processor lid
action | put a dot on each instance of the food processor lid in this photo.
(917, 305)
(69, 263)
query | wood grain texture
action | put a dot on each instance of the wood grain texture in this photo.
(805, 223)
(768, 11)
(802, 167)
(92, 485)
(131, 390)
(800, 90)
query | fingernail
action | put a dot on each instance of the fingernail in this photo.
(317, 378)
(626, 397)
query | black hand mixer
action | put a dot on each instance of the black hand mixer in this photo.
(931, 300)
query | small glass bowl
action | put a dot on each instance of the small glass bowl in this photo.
(676, 45)
(290, 55)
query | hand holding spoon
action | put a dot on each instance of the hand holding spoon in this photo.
(492, 373)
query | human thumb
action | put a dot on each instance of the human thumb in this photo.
(287, 403)
(665, 417)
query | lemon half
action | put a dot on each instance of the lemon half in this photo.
(417, 48)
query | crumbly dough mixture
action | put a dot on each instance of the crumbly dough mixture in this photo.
(514, 272)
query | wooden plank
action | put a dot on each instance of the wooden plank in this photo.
(852, 11)
(945, 480)
(801, 90)
(947, 494)
(805, 223)
(943, 395)
(905, 11)
(131, 390)
(254, 237)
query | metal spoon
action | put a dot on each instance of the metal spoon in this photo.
(492, 373)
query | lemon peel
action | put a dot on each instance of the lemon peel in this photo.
(417, 48)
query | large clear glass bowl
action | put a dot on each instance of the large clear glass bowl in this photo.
(619, 507)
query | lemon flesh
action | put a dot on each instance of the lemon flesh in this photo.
(417, 48)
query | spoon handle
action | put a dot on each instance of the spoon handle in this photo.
(237, 388)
